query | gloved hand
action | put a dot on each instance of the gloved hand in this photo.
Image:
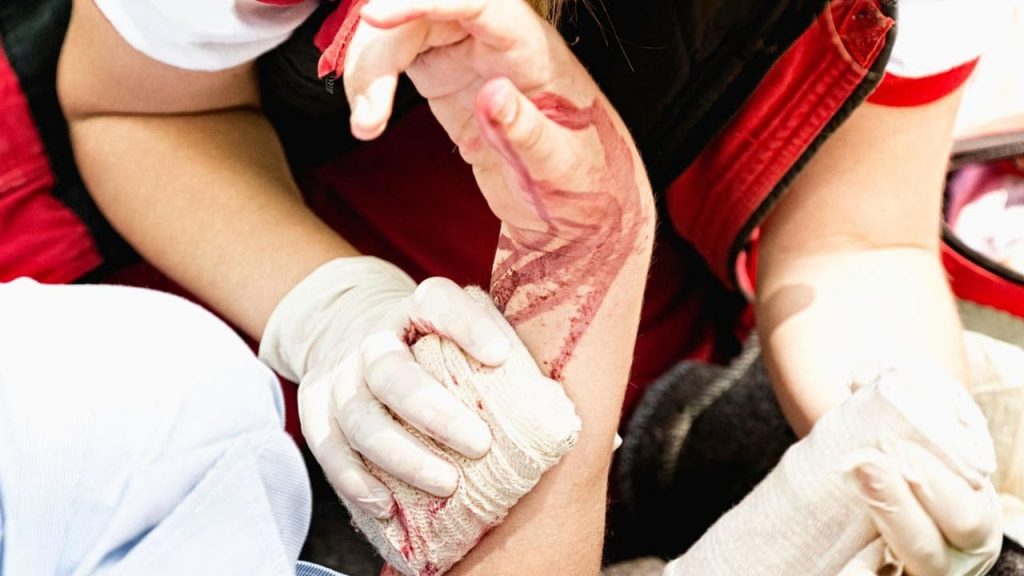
(932, 521)
(343, 333)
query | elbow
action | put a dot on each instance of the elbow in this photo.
(74, 95)
(70, 89)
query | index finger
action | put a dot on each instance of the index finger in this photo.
(402, 385)
(372, 64)
(969, 518)
(441, 307)
(497, 23)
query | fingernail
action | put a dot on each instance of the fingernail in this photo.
(381, 504)
(378, 503)
(506, 112)
(470, 436)
(438, 479)
(868, 482)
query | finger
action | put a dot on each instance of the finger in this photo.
(375, 435)
(526, 138)
(968, 518)
(898, 516)
(342, 467)
(441, 307)
(401, 384)
(443, 72)
(372, 64)
(498, 23)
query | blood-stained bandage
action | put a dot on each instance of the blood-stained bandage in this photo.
(533, 424)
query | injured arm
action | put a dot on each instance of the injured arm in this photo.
(572, 293)
(850, 278)
(576, 305)
(559, 169)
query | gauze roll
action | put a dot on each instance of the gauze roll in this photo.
(997, 383)
(804, 518)
(533, 424)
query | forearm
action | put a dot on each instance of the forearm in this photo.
(561, 522)
(186, 168)
(208, 198)
(576, 305)
(849, 274)
(827, 317)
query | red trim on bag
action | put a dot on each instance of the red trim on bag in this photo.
(979, 285)
(40, 237)
(718, 195)
(900, 92)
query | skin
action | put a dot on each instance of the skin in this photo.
(522, 279)
(850, 276)
(132, 117)
(485, 54)
(229, 212)
(816, 245)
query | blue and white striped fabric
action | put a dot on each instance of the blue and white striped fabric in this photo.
(139, 435)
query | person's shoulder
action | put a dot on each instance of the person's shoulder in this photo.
(205, 34)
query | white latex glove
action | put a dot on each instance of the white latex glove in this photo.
(932, 521)
(343, 333)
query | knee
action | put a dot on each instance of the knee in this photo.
(130, 404)
(130, 368)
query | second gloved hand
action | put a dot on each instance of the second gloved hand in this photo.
(932, 521)
(343, 333)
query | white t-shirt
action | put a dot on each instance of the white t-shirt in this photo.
(205, 34)
(934, 36)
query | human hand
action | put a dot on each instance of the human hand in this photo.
(932, 521)
(344, 334)
(498, 78)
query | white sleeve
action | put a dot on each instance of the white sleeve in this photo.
(205, 34)
(935, 36)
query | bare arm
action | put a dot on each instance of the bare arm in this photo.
(188, 170)
(560, 170)
(849, 273)
(585, 340)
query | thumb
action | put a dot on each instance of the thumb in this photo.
(535, 146)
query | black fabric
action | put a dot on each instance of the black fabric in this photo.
(310, 117)
(676, 70)
(731, 445)
(32, 32)
(732, 433)
(1011, 560)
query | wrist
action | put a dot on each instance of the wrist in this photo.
(323, 316)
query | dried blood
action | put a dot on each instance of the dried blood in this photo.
(575, 259)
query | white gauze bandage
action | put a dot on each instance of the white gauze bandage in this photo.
(804, 518)
(533, 424)
(997, 383)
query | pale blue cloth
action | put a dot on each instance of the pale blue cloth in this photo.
(139, 435)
